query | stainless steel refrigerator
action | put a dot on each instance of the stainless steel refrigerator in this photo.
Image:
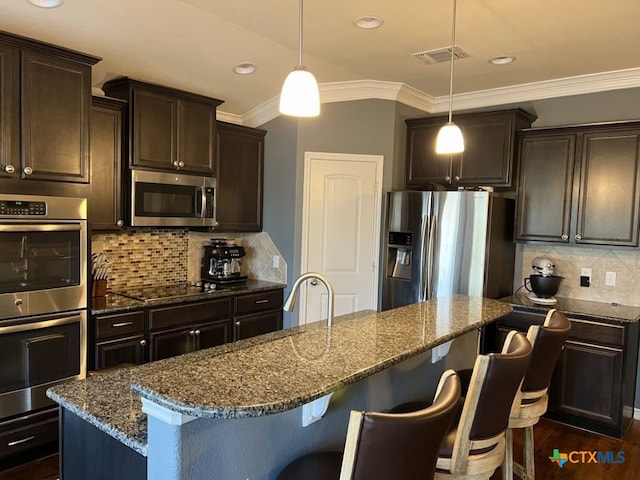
(444, 242)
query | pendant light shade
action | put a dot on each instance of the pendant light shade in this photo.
(450, 138)
(300, 96)
(46, 3)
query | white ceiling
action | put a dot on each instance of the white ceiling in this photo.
(193, 45)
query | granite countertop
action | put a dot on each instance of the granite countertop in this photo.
(579, 308)
(120, 302)
(272, 373)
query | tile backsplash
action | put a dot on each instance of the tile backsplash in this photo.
(569, 261)
(148, 256)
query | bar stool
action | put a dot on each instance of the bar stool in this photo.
(531, 401)
(383, 446)
(475, 445)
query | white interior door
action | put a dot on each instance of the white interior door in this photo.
(341, 231)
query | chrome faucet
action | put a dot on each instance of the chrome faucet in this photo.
(291, 299)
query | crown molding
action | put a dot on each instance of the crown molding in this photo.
(399, 92)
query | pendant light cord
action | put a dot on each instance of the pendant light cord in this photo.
(453, 44)
(300, 34)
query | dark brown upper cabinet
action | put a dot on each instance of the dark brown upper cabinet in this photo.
(105, 197)
(580, 185)
(240, 178)
(45, 101)
(488, 157)
(168, 129)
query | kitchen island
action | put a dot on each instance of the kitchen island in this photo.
(235, 411)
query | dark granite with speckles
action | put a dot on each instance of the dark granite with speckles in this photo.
(274, 372)
(114, 303)
(579, 308)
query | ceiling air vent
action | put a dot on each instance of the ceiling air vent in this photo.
(440, 55)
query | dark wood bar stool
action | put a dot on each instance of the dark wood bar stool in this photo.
(531, 401)
(385, 446)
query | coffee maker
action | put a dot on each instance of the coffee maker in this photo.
(221, 263)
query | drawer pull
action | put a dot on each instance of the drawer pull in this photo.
(121, 324)
(18, 442)
(262, 301)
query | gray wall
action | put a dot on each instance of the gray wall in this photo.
(372, 127)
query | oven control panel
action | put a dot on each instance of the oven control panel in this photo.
(19, 207)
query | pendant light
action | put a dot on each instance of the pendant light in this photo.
(450, 136)
(46, 3)
(300, 96)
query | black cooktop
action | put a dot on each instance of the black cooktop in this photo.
(150, 293)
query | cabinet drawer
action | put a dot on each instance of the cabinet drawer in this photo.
(189, 314)
(258, 302)
(30, 433)
(119, 325)
(598, 333)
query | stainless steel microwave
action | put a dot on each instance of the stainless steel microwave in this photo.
(172, 199)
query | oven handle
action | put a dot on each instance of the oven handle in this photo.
(39, 227)
(42, 338)
(23, 326)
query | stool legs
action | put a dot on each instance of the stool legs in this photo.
(507, 463)
(511, 468)
(529, 453)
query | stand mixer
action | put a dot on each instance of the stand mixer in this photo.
(543, 284)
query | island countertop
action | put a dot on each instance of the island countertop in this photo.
(274, 372)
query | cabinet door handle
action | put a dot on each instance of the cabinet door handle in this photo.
(578, 237)
(175, 164)
(18, 442)
(9, 168)
(237, 323)
(197, 332)
(262, 301)
(143, 343)
(119, 223)
(180, 164)
(447, 178)
(456, 178)
(192, 333)
(565, 236)
(27, 170)
(121, 324)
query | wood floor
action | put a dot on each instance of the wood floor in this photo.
(548, 436)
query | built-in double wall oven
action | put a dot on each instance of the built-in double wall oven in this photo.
(43, 299)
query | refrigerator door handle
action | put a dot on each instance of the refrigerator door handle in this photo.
(430, 250)
(426, 254)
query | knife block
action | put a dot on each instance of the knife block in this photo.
(99, 288)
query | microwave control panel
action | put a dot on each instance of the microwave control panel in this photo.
(19, 207)
(209, 205)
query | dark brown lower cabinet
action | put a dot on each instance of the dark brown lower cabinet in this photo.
(121, 352)
(594, 382)
(247, 326)
(169, 343)
(120, 341)
(29, 437)
(156, 332)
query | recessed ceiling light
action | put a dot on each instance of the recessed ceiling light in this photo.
(46, 3)
(368, 22)
(502, 60)
(245, 68)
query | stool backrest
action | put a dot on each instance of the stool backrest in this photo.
(495, 380)
(547, 341)
(400, 445)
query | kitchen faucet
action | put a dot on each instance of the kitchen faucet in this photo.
(291, 299)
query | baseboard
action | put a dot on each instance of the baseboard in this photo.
(636, 413)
